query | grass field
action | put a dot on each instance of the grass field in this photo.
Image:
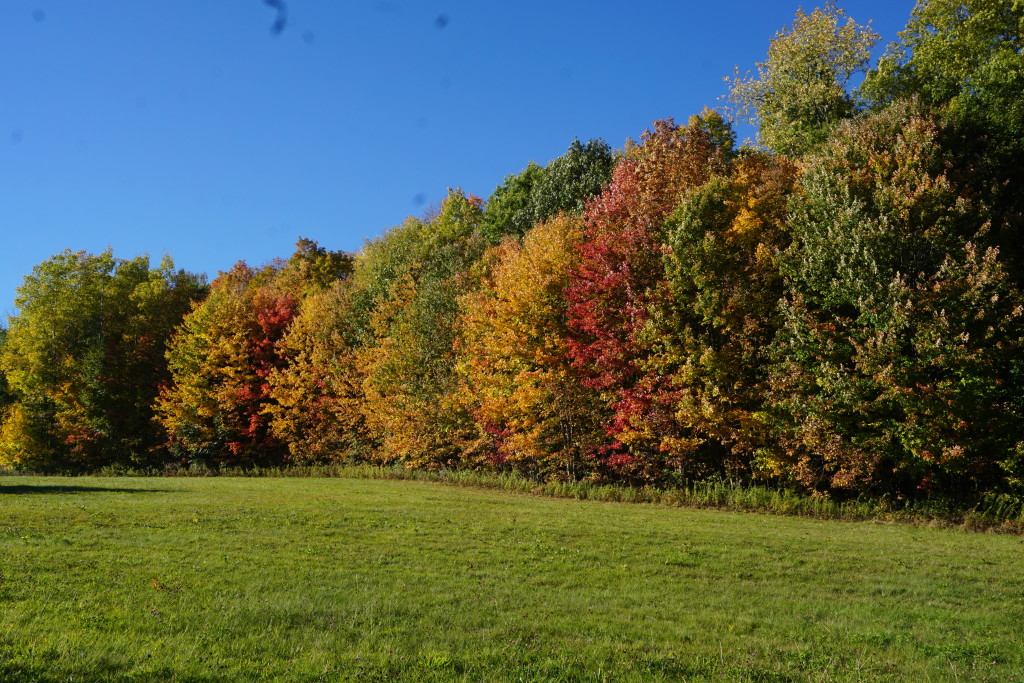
(341, 579)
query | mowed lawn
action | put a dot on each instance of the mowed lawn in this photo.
(342, 579)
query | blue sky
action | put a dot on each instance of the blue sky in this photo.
(189, 127)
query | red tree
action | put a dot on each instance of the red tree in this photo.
(620, 282)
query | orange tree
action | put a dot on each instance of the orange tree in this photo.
(316, 396)
(217, 408)
(534, 415)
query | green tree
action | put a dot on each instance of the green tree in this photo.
(964, 59)
(801, 90)
(510, 208)
(953, 49)
(539, 193)
(413, 405)
(712, 336)
(898, 359)
(85, 357)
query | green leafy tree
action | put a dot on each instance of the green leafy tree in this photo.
(965, 60)
(802, 90)
(511, 209)
(84, 360)
(955, 50)
(572, 179)
(539, 193)
(897, 358)
(712, 335)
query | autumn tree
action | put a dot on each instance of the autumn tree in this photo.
(6, 398)
(217, 409)
(621, 278)
(317, 396)
(84, 358)
(802, 89)
(710, 339)
(311, 269)
(409, 282)
(533, 413)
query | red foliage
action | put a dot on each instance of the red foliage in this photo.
(274, 313)
(621, 275)
(271, 314)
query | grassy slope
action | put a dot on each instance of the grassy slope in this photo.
(211, 579)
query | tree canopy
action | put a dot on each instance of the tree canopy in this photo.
(84, 360)
(540, 192)
(802, 89)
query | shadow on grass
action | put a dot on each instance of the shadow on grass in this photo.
(53, 488)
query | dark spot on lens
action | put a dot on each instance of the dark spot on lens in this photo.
(282, 15)
(441, 21)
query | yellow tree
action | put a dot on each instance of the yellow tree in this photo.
(530, 404)
(408, 284)
(317, 397)
(801, 89)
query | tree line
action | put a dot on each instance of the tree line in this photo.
(836, 308)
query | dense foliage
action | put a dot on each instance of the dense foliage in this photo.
(837, 310)
(217, 410)
(540, 192)
(84, 360)
(801, 90)
(533, 412)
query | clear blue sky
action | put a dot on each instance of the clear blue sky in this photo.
(188, 127)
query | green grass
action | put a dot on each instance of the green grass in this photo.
(991, 512)
(344, 579)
